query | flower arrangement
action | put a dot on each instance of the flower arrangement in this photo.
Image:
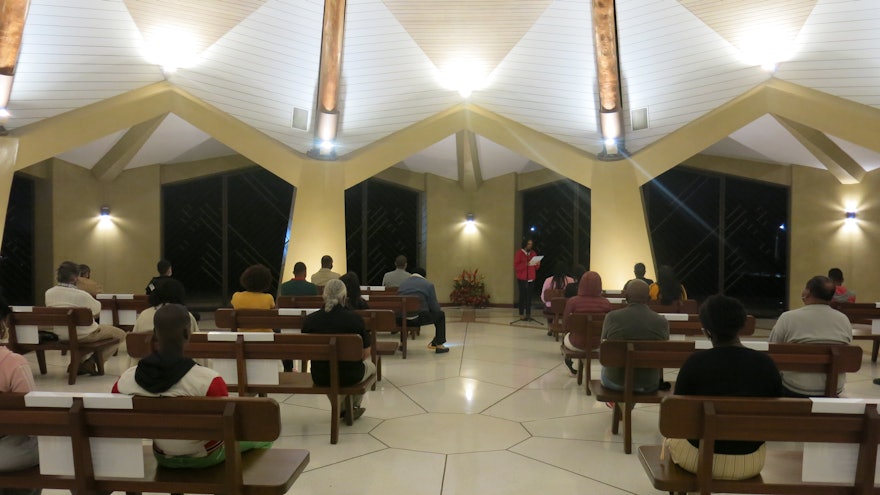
(469, 290)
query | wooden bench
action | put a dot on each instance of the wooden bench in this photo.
(256, 472)
(70, 318)
(398, 304)
(556, 324)
(589, 326)
(783, 420)
(860, 315)
(693, 327)
(829, 359)
(304, 347)
(550, 295)
(235, 320)
(117, 304)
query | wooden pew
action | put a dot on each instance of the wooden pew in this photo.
(304, 347)
(692, 326)
(589, 325)
(256, 472)
(60, 317)
(829, 359)
(550, 295)
(398, 304)
(781, 420)
(235, 320)
(860, 315)
(556, 324)
(116, 304)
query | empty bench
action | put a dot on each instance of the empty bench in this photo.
(24, 338)
(784, 420)
(333, 348)
(256, 472)
(829, 359)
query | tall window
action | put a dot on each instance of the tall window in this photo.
(381, 222)
(721, 235)
(215, 227)
(557, 218)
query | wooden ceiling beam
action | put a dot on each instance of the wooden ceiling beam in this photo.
(113, 163)
(469, 174)
(838, 162)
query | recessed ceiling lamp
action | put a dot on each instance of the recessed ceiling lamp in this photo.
(766, 46)
(464, 74)
(171, 48)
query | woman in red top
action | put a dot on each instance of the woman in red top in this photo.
(525, 276)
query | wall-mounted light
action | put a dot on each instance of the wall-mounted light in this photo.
(105, 211)
(850, 216)
(470, 219)
(469, 224)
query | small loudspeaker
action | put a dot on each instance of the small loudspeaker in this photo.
(639, 119)
(301, 119)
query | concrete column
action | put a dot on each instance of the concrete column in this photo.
(619, 230)
(318, 219)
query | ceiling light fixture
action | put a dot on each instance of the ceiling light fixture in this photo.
(767, 46)
(171, 48)
(464, 74)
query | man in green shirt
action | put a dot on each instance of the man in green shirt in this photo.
(298, 285)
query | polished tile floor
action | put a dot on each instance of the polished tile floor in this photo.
(499, 414)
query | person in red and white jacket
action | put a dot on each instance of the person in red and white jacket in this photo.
(168, 373)
(525, 277)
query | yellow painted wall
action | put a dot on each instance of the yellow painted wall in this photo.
(122, 253)
(820, 238)
(489, 247)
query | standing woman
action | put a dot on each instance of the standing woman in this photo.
(525, 276)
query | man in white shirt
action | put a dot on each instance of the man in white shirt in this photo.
(325, 274)
(815, 323)
(66, 295)
(395, 278)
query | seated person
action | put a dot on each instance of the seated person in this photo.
(165, 271)
(354, 300)
(667, 289)
(325, 274)
(298, 285)
(634, 322)
(17, 452)
(168, 373)
(66, 295)
(394, 278)
(841, 293)
(577, 271)
(255, 280)
(85, 282)
(559, 280)
(639, 272)
(334, 317)
(730, 370)
(430, 312)
(170, 292)
(588, 300)
(814, 323)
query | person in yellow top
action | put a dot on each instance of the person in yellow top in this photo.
(667, 288)
(255, 280)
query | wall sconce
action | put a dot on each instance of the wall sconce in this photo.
(850, 216)
(470, 219)
(105, 211)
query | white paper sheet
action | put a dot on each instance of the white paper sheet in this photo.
(758, 345)
(248, 336)
(27, 334)
(295, 311)
(675, 316)
(116, 457)
(259, 371)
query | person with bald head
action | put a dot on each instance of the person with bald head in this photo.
(634, 322)
(815, 323)
(167, 372)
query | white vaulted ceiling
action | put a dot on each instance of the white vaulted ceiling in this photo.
(257, 60)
